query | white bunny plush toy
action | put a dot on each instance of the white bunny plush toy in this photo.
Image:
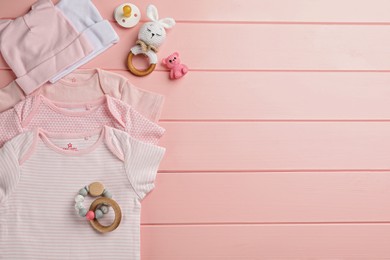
(150, 37)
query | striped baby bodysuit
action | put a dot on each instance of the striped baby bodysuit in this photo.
(40, 177)
(39, 111)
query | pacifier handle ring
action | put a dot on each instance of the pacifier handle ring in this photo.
(137, 72)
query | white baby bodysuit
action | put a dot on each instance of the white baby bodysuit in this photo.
(40, 177)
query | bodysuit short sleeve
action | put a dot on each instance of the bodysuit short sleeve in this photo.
(135, 124)
(9, 171)
(147, 103)
(142, 128)
(10, 125)
(142, 161)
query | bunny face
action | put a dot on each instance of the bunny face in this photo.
(152, 33)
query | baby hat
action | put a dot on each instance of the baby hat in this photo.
(39, 44)
(84, 15)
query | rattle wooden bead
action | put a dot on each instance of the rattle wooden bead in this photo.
(96, 189)
(118, 215)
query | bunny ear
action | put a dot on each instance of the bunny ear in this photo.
(167, 22)
(152, 13)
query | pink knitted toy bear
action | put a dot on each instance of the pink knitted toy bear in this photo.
(178, 70)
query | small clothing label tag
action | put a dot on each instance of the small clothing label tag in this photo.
(70, 147)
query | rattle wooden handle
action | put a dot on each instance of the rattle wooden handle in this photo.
(118, 215)
(137, 72)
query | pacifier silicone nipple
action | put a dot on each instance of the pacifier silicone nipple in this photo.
(127, 15)
(127, 11)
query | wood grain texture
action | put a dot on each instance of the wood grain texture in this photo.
(327, 11)
(264, 10)
(238, 242)
(239, 95)
(267, 47)
(268, 96)
(278, 47)
(268, 197)
(230, 146)
(278, 139)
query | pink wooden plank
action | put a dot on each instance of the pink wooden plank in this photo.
(269, 96)
(264, 10)
(265, 47)
(226, 146)
(8, 9)
(6, 76)
(248, 11)
(275, 47)
(265, 242)
(268, 197)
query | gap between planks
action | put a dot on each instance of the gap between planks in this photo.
(178, 21)
(265, 224)
(274, 121)
(271, 171)
(244, 70)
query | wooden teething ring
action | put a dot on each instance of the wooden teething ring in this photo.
(137, 72)
(118, 215)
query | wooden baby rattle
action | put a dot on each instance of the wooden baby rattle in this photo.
(150, 38)
(99, 207)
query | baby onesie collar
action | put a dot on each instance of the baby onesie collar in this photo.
(63, 108)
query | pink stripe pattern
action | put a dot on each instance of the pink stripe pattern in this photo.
(38, 219)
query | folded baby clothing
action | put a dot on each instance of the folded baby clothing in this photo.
(85, 85)
(88, 22)
(40, 112)
(88, 126)
(39, 179)
(40, 44)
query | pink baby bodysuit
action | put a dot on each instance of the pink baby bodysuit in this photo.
(39, 111)
(89, 84)
(40, 177)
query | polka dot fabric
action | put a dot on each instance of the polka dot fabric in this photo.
(56, 117)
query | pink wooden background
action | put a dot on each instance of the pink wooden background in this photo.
(278, 140)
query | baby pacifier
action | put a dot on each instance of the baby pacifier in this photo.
(127, 15)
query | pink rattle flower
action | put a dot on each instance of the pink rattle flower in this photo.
(177, 70)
